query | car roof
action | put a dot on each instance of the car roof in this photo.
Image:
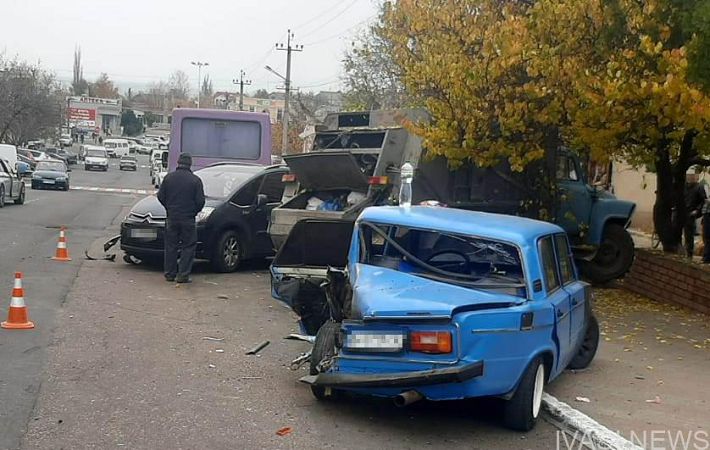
(513, 229)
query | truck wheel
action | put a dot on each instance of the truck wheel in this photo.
(522, 410)
(228, 252)
(21, 199)
(614, 256)
(323, 348)
(589, 346)
(2, 195)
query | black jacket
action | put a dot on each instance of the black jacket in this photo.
(694, 199)
(181, 194)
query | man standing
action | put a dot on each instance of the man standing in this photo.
(694, 200)
(182, 195)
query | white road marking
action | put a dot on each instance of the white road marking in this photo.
(113, 190)
(584, 427)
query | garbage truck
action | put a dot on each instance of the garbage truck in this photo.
(355, 162)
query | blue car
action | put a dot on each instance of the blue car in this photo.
(440, 304)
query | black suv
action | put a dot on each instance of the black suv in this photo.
(232, 226)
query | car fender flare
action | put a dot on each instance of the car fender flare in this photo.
(548, 357)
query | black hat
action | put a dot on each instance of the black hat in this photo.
(185, 159)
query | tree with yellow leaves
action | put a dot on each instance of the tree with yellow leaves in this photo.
(512, 80)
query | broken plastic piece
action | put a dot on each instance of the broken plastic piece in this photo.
(284, 431)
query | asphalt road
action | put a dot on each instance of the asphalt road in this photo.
(118, 357)
(28, 238)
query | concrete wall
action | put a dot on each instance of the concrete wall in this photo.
(638, 186)
(667, 279)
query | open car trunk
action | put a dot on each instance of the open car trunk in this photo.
(333, 184)
(308, 272)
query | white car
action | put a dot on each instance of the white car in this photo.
(65, 140)
(95, 158)
(117, 147)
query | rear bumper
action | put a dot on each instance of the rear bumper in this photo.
(456, 374)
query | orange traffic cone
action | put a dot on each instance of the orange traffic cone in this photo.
(17, 317)
(62, 253)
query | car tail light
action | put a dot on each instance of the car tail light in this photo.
(381, 180)
(288, 177)
(430, 341)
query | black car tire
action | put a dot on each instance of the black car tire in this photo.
(66, 186)
(21, 199)
(2, 195)
(614, 257)
(523, 409)
(230, 242)
(588, 349)
(324, 348)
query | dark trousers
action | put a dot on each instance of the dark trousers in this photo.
(706, 238)
(182, 235)
(689, 236)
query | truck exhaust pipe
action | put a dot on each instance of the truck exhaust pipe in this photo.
(407, 398)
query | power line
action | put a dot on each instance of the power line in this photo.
(325, 11)
(349, 5)
(320, 41)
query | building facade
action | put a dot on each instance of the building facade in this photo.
(94, 115)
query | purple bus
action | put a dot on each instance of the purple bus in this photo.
(214, 135)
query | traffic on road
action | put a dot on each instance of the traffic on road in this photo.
(488, 228)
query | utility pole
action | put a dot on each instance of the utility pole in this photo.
(241, 82)
(199, 77)
(287, 80)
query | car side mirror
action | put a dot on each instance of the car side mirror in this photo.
(261, 200)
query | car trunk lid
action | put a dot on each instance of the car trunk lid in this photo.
(331, 170)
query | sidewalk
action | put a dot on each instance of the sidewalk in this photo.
(651, 370)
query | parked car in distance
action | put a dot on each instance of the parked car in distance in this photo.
(12, 187)
(29, 161)
(68, 156)
(231, 227)
(117, 147)
(51, 175)
(95, 158)
(65, 140)
(40, 155)
(438, 303)
(128, 162)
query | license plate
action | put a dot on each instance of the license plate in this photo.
(48, 181)
(147, 233)
(374, 341)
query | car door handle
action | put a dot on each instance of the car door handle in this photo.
(574, 302)
(560, 313)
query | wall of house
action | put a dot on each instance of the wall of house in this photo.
(638, 186)
(666, 279)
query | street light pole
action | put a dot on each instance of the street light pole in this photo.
(241, 82)
(199, 77)
(287, 81)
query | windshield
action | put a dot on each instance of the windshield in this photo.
(96, 153)
(222, 181)
(451, 258)
(51, 166)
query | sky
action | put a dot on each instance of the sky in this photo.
(138, 42)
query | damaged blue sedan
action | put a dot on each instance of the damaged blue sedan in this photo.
(434, 303)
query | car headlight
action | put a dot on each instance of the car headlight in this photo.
(203, 215)
(36, 177)
(61, 178)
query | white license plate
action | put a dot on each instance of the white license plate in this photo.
(48, 181)
(375, 341)
(147, 233)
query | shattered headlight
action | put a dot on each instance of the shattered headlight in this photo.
(203, 215)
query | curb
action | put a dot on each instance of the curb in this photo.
(582, 428)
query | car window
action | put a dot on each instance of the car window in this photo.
(247, 194)
(566, 169)
(564, 258)
(273, 187)
(549, 265)
(469, 261)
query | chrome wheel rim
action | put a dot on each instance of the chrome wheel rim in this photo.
(231, 252)
(537, 393)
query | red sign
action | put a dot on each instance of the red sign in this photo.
(81, 114)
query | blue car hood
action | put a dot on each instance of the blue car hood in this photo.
(381, 293)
